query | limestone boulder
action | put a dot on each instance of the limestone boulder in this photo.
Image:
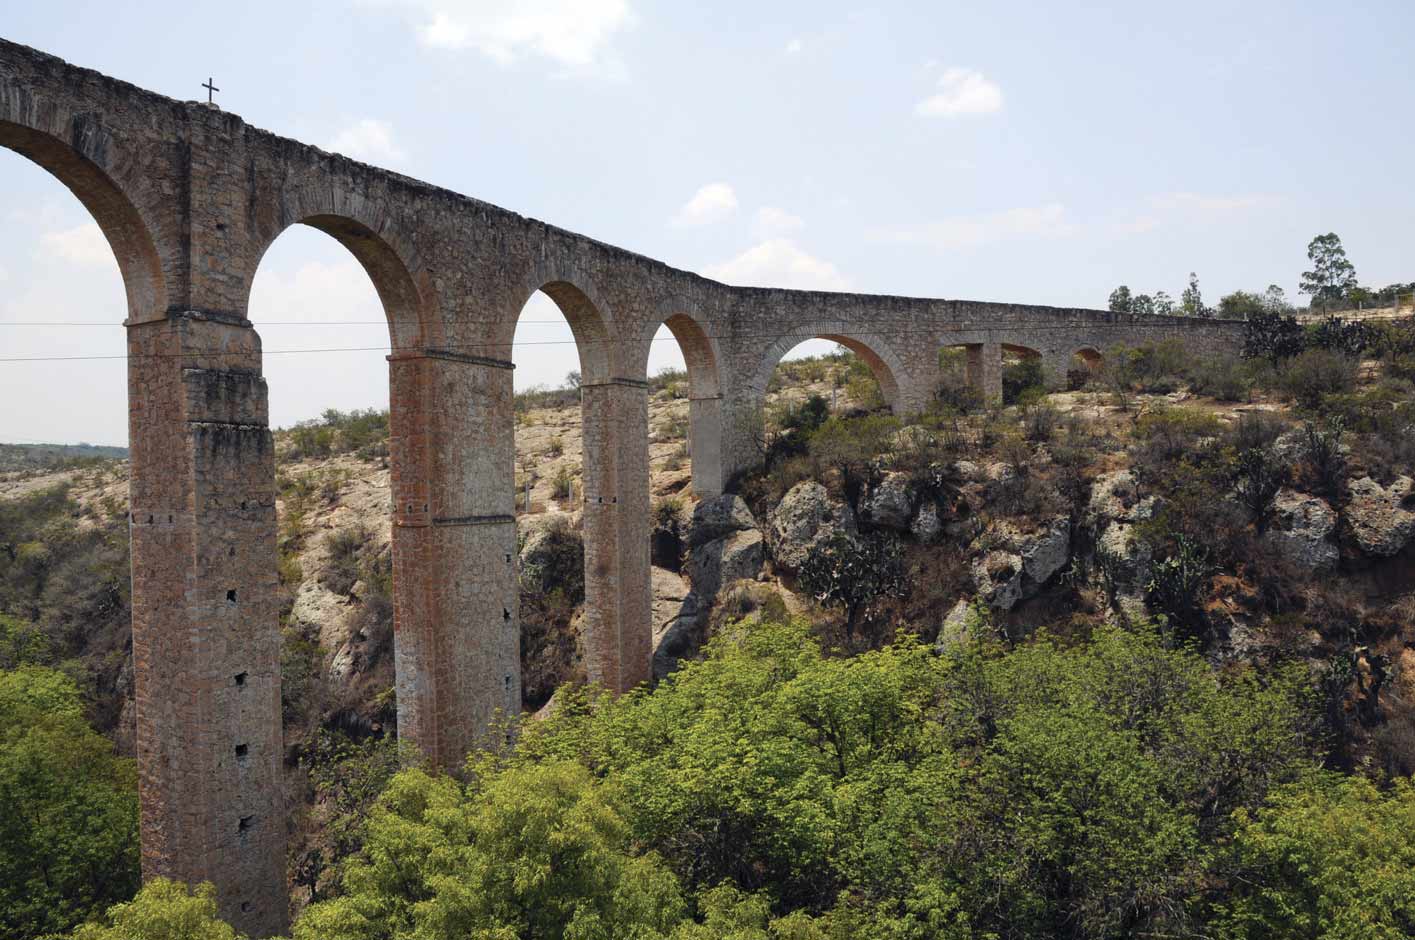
(927, 526)
(890, 503)
(954, 629)
(718, 517)
(722, 561)
(997, 576)
(1382, 518)
(552, 555)
(1125, 557)
(1019, 564)
(1113, 496)
(1301, 530)
(678, 637)
(806, 515)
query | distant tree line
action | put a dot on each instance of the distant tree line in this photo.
(1331, 284)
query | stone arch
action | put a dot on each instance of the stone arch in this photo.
(1090, 356)
(80, 167)
(877, 354)
(1020, 351)
(700, 356)
(409, 303)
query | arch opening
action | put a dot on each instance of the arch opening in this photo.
(1022, 373)
(684, 425)
(122, 226)
(562, 353)
(1085, 366)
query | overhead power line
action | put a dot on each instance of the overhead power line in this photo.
(872, 331)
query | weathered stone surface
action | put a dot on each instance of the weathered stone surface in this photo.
(1126, 557)
(998, 578)
(805, 515)
(720, 562)
(719, 516)
(190, 198)
(954, 629)
(1019, 564)
(1300, 531)
(890, 503)
(1382, 518)
(927, 527)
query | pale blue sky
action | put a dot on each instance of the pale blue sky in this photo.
(1032, 152)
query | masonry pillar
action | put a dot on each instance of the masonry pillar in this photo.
(985, 370)
(705, 445)
(456, 629)
(618, 594)
(206, 639)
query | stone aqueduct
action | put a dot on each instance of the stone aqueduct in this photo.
(190, 197)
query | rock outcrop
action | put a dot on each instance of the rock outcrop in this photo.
(1382, 518)
(806, 515)
(1300, 531)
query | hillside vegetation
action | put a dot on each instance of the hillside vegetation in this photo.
(1131, 654)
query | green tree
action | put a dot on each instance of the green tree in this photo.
(69, 832)
(1240, 305)
(1327, 859)
(1120, 300)
(1191, 301)
(163, 910)
(1164, 304)
(1142, 305)
(537, 850)
(1275, 300)
(1332, 275)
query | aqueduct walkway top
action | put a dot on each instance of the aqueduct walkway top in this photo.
(190, 197)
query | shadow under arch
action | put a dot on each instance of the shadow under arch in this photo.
(127, 233)
(883, 363)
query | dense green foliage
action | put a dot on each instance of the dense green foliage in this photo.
(774, 791)
(68, 833)
(162, 910)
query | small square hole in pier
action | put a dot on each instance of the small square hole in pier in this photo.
(242, 750)
(241, 678)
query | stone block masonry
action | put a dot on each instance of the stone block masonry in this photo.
(190, 198)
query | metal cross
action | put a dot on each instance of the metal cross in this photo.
(210, 89)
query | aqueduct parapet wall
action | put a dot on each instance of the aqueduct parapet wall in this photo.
(190, 197)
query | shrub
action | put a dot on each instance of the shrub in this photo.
(1222, 377)
(1178, 581)
(1322, 450)
(850, 572)
(1347, 337)
(341, 572)
(163, 910)
(1261, 474)
(555, 447)
(562, 482)
(1270, 335)
(1316, 375)
(666, 539)
(1040, 421)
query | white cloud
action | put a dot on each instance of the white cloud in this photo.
(971, 231)
(4, 275)
(779, 263)
(1166, 207)
(772, 222)
(1200, 202)
(711, 203)
(572, 33)
(961, 92)
(369, 140)
(83, 244)
(794, 46)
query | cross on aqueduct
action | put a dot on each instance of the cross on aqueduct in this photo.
(190, 197)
